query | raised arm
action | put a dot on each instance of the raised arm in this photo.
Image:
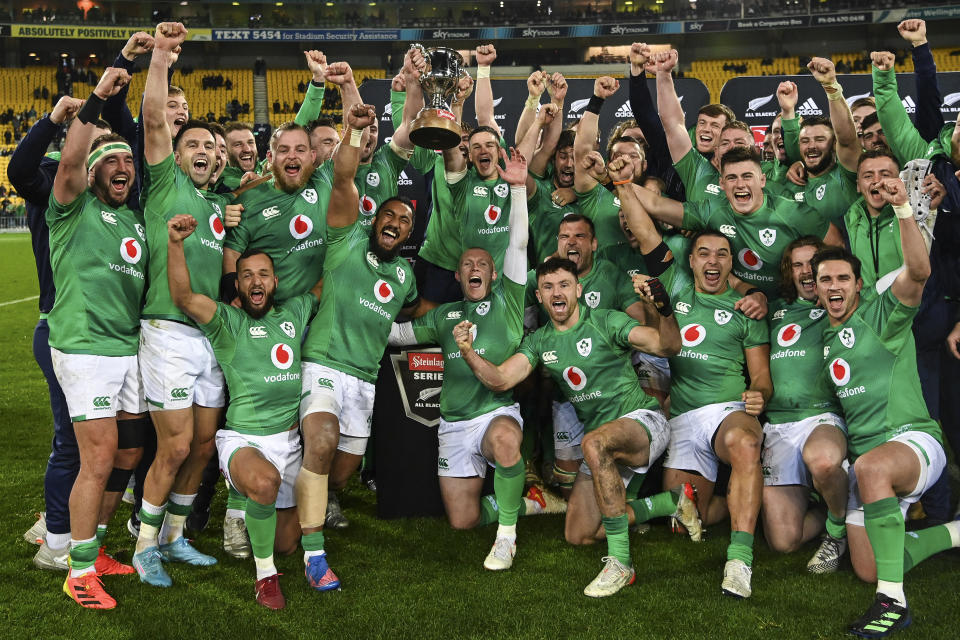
(527, 148)
(640, 224)
(668, 104)
(536, 85)
(340, 74)
(453, 160)
(929, 117)
(645, 111)
(908, 286)
(483, 97)
(515, 173)
(761, 384)
(848, 144)
(603, 88)
(115, 111)
(413, 66)
(497, 378)
(157, 137)
(71, 178)
(788, 95)
(198, 306)
(344, 203)
(663, 339)
(904, 139)
(313, 99)
(24, 171)
(557, 88)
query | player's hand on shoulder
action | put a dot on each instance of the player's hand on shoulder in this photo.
(797, 174)
(754, 305)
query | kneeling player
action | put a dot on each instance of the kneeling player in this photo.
(587, 352)
(897, 448)
(805, 440)
(259, 449)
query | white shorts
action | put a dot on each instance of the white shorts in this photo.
(98, 386)
(460, 454)
(178, 367)
(691, 438)
(658, 431)
(345, 396)
(283, 450)
(653, 372)
(567, 432)
(782, 456)
(932, 462)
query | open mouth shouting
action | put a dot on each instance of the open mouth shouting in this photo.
(574, 256)
(389, 236)
(711, 277)
(705, 140)
(807, 286)
(118, 183)
(201, 164)
(257, 295)
(559, 306)
(742, 196)
(291, 169)
(835, 304)
(247, 158)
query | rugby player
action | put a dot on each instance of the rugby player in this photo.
(586, 353)
(827, 147)
(895, 446)
(182, 382)
(97, 248)
(241, 154)
(367, 283)
(713, 411)
(258, 347)
(478, 427)
(804, 441)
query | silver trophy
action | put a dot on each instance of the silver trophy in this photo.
(436, 127)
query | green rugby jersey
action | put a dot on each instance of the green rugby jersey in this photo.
(830, 194)
(289, 227)
(98, 254)
(590, 362)
(758, 239)
(482, 208)
(603, 208)
(498, 324)
(709, 367)
(625, 258)
(874, 240)
(796, 363)
(871, 359)
(605, 287)
(171, 192)
(376, 181)
(361, 298)
(230, 177)
(260, 358)
(545, 216)
(700, 179)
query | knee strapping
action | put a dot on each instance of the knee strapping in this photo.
(311, 492)
(118, 479)
(132, 434)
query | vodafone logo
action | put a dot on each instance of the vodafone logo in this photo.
(281, 355)
(492, 214)
(301, 226)
(692, 335)
(130, 250)
(788, 335)
(367, 206)
(750, 260)
(383, 291)
(840, 372)
(575, 377)
(216, 226)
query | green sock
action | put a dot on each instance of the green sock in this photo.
(262, 527)
(508, 488)
(741, 547)
(489, 510)
(312, 541)
(236, 500)
(884, 524)
(84, 555)
(920, 545)
(152, 516)
(662, 504)
(836, 526)
(635, 485)
(618, 538)
(102, 533)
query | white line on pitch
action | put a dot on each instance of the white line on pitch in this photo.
(8, 302)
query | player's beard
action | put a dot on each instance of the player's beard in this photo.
(825, 161)
(252, 311)
(281, 180)
(383, 255)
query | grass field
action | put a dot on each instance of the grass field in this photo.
(412, 578)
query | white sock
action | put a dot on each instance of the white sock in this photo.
(236, 513)
(892, 590)
(953, 527)
(507, 531)
(533, 507)
(309, 554)
(58, 541)
(265, 567)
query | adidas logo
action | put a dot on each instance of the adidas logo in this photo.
(624, 111)
(909, 105)
(810, 108)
